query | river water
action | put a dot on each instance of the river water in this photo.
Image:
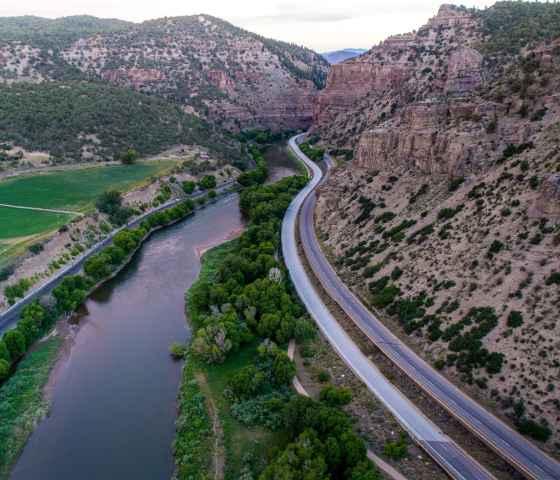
(114, 394)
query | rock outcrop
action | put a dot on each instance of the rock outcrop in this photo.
(429, 100)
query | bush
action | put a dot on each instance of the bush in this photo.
(495, 247)
(208, 182)
(15, 341)
(386, 296)
(515, 319)
(538, 431)
(188, 187)
(455, 183)
(4, 370)
(177, 350)
(396, 450)
(553, 279)
(36, 248)
(335, 397)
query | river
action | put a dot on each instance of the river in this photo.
(113, 395)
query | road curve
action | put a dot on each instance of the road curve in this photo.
(514, 448)
(9, 317)
(445, 452)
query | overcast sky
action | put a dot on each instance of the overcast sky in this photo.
(319, 24)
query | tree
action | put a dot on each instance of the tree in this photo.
(15, 341)
(188, 187)
(4, 369)
(302, 459)
(4, 352)
(71, 293)
(129, 156)
(208, 182)
(109, 202)
(98, 266)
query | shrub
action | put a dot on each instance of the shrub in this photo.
(4, 369)
(455, 183)
(207, 182)
(323, 376)
(4, 352)
(553, 279)
(335, 397)
(538, 431)
(386, 296)
(15, 341)
(36, 248)
(495, 247)
(178, 350)
(188, 187)
(396, 450)
(515, 319)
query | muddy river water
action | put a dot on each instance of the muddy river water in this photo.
(114, 393)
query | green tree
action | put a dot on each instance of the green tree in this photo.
(98, 266)
(15, 341)
(4, 369)
(188, 187)
(207, 182)
(4, 352)
(129, 156)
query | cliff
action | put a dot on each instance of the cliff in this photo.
(432, 101)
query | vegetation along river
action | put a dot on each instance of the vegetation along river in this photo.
(113, 394)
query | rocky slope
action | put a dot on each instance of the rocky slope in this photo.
(447, 220)
(213, 69)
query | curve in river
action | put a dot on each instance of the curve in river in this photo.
(114, 395)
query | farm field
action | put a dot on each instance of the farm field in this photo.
(23, 223)
(75, 189)
(72, 190)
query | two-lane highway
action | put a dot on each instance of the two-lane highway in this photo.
(457, 463)
(514, 448)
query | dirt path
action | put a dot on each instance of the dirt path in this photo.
(37, 209)
(218, 456)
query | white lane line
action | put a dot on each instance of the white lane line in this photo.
(37, 209)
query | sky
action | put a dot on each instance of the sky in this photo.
(322, 25)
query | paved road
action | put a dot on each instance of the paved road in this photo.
(9, 318)
(455, 461)
(517, 450)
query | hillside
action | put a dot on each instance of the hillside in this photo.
(338, 56)
(83, 121)
(444, 212)
(210, 67)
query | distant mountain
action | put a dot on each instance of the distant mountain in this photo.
(209, 67)
(338, 56)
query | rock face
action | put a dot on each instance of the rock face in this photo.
(210, 67)
(428, 100)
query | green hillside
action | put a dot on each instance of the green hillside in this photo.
(65, 118)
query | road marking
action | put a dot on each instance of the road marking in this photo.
(37, 209)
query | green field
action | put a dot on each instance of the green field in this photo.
(74, 189)
(23, 223)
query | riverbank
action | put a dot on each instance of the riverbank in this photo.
(243, 312)
(27, 410)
